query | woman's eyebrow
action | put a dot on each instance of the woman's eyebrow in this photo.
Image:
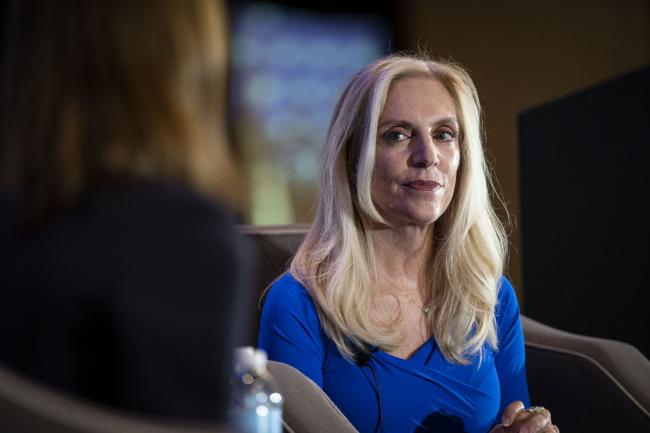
(405, 123)
(396, 122)
(447, 120)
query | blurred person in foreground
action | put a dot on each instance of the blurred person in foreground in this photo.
(395, 304)
(121, 272)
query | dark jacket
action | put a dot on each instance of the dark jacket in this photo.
(129, 299)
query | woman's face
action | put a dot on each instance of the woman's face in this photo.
(417, 153)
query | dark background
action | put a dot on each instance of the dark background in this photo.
(585, 218)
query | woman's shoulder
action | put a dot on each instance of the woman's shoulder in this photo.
(289, 310)
(506, 289)
(288, 282)
(507, 303)
(287, 292)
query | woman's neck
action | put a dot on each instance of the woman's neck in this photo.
(402, 255)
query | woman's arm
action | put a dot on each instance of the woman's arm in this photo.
(510, 362)
(510, 359)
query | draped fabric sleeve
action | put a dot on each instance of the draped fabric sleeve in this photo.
(510, 359)
(290, 330)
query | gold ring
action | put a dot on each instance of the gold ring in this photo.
(536, 410)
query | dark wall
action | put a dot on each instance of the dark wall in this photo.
(584, 193)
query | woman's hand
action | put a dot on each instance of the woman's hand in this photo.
(517, 419)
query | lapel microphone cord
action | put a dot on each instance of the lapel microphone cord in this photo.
(362, 359)
(380, 421)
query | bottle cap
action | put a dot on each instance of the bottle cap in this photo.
(249, 358)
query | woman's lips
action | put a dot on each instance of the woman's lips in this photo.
(423, 185)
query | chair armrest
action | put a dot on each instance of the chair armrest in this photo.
(588, 383)
(307, 409)
(27, 407)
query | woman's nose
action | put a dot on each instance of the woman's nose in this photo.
(425, 154)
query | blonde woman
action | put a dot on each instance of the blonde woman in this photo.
(395, 304)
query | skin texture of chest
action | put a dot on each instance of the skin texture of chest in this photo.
(410, 323)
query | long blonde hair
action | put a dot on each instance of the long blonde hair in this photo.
(336, 262)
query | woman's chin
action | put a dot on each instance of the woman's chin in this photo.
(421, 220)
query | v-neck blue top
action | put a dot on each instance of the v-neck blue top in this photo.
(424, 393)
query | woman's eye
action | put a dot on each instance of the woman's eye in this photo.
(444, 135)
(395, 136)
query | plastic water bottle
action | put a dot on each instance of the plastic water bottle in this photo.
(256, 405)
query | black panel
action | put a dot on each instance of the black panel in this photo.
(584, 185)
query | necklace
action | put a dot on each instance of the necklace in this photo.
(426, 309)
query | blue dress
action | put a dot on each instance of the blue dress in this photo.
(424, 393)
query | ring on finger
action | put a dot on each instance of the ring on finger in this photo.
(536, 410)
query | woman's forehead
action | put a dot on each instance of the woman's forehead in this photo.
(421, 100)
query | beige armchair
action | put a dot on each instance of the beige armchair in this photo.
(589, 384)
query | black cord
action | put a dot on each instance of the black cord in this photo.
(362, 358)
(380, 420)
